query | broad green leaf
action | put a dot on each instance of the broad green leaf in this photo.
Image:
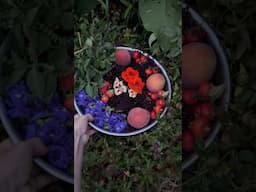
(17, 75)
(43, 43)
(36, 82)
(151, 39)
(31, 15)
(50, 85)
(84, 6)
(163, 18)
(89, 90)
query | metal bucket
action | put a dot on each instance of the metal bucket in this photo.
(168, 85)
(222, 75)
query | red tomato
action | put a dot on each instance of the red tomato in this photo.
(160, 93)
(199, 127)
(153, 115)
(135, 55)
(143, 59)
(204, 89)
(109, 93)
(160, 102)
(189, 96)
(204, 110)
(148, 71)
(66, 82)
(69, 104)
(158, 109)
(104, 99)
(153, 96)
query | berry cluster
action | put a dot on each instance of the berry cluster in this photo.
(197, 102)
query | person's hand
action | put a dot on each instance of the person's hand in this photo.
(82, 135)
(82, 130)
(17, 173)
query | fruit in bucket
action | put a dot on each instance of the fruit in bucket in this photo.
(198, 64)
(138, 117)
(122, 57)
(155, 82)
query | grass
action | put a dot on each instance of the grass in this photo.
(229, 164)
(150, 161)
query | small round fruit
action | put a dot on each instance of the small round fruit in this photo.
(155, 82)
(153, 115)
(153, 96)
(188, 141)
(135, 54)
(206, 110)
(204, 89)
(160, 93)
(122, 57)
(143, 59)
(158, 109)
(160, 102)
(148, 71)
(138, 117)
(66, 82)
(199, 127)
(104, 99)
(69, 104)
(189, 96)
(198, 64)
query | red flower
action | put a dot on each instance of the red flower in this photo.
(136, 85)
(129, 74)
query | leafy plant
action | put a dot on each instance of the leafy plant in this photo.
(94, 52)
(41, 42)
(163, 19)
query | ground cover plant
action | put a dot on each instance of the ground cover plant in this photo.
(147, 162)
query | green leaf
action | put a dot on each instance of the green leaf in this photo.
(51, 85)
(35, 82)
(43, 43)
(30, 16)
(163, 18)
(89, 90)
(85, 6)
(17, 75)
(216, 92)
(151, 39)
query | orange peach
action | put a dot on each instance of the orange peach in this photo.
(138, 117)
(198, 64)
(122, 57)
(155, 82)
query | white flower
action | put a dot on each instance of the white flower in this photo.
(119, 87)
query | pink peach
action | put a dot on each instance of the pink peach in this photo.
(138, 117)
(155, 82)
(122, 57)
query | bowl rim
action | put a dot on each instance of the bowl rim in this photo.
(169, 86)
(221, 54)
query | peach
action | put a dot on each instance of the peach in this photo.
(122, 57)
(138, 117)
(155, 82)
(198, 64)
